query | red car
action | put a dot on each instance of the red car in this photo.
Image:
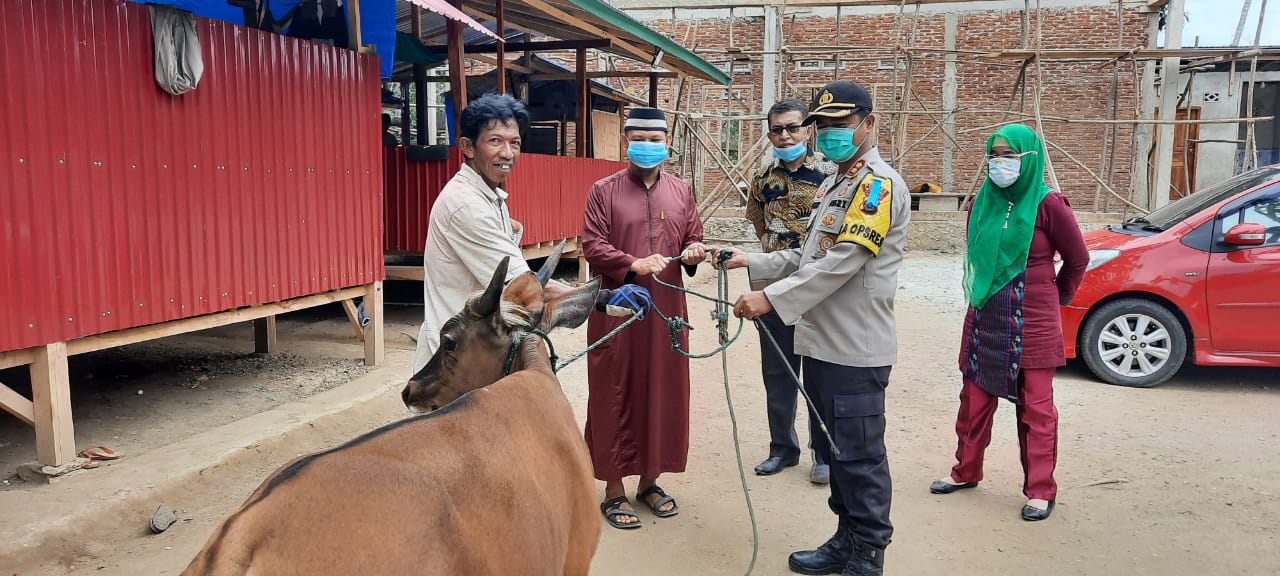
(1198, 278)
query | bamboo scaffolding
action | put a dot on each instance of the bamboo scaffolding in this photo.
(1251, 142)
(1031, 54)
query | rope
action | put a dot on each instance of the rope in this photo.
(597, 343)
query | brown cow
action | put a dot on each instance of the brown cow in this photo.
(498, 481)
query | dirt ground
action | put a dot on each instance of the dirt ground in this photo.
(1181, 479)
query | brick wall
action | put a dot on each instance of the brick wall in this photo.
(1077, 90)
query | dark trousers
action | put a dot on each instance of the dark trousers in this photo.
(780, 390)
(852, 403)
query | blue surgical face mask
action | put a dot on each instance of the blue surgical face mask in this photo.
(646, 155)
(837, 144)
(790, 153)
(1004, 171)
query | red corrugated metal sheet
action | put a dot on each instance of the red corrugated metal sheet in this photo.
(548, 195)
(122, 206)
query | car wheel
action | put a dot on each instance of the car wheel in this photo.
(1133, 342)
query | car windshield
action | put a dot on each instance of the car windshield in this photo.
(1183, 208)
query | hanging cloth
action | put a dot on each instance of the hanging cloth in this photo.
(179, 61)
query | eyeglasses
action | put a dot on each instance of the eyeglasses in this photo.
(1010, 156)
(792, 129)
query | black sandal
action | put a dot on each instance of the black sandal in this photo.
(662, 501)
(611, 508)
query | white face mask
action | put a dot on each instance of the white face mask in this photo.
(1004, 171)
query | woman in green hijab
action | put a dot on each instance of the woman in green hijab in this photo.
(1012, 340)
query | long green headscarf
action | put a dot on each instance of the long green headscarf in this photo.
(998, 252)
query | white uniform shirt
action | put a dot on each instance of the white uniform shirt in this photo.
(468, 235)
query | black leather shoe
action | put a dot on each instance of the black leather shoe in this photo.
(1033, 514)
(821, 473)
(940, 487)
(774, 464)
(829, 558)
(866, 561)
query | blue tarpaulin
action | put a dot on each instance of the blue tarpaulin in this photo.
(377, 20)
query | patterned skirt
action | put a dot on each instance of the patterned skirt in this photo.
(991, 350)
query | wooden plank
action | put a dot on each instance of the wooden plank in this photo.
(543, 250)
(415, 273)
(606, 134)
(349, 307)
(457, 71)
(502, 49)
(14, 403)
(51, 400)
(420, 83)
(374, 333)
(175, 327)
(639, 54)
(584, 273)
(1114, 53)
(603, 74)
(353, 26)
(494, 62)
(17, 358)
(584, 103)
(264, 335)
(542, 46)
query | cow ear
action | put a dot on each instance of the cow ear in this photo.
(487, 303)
(570, 310)
(525, 292)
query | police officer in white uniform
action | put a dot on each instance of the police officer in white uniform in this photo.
(837, 290)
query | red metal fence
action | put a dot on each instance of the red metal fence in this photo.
(122, 206)
(548, 195)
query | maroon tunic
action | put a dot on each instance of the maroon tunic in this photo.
(1056, 232)
(638, 403)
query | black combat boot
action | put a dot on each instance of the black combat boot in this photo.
(866, 561)
(830, 558)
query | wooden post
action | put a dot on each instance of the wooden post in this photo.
(419, 82)
(457, 72)
(264, 335)
(1250, 139)
(584, 102)
(353, 26)
(653, 90)
(353, 317)
(374, 351)
(51, 397)
(502, 49)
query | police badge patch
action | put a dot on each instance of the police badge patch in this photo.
(868, 225)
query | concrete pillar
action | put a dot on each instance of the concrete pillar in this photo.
(1170, 82)
(949, 102)
(1142, 133)
(772, 43)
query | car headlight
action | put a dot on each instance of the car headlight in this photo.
(1100, 257)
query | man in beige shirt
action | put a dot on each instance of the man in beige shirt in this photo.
(471, 229)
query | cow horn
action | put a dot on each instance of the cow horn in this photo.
(488, 302)
(549, 267)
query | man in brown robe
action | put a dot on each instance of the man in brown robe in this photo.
(638, 407)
